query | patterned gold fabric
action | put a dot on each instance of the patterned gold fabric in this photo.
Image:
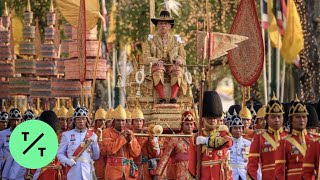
(168, 49)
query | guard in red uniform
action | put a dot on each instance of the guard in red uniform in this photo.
(215, 142)
(292, 149)
(265, 142)
(310, 166)
(53, 171)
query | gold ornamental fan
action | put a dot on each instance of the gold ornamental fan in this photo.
(70, 11)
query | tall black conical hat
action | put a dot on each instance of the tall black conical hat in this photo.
(212, 105)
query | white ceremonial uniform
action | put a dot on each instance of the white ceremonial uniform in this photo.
(70, 141)
(239, 158)
(11, 169)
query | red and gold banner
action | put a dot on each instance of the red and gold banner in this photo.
(246, 61)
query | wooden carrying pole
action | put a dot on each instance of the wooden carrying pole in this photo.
(203, 80)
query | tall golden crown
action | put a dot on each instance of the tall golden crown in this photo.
(261, 112)
(70, 112)
(100, 114)
(245, 113)
(63, 112)
(137, 113)
(128, 113)
(119, 113)
(109, 114)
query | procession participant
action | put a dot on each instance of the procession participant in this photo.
(150, 150)
(260, 122)
(109, 119)
(166, 48)
(53, 171)
(313, 121)
(240, 149)
(292, 148)
(28, 115)
(99, 126)
(121, 146)
(178, 150)
(215, 141)
(79, 147)
(62, 116)
(265, 142)
(246, 117)
(11, 169)
(70, 114)
(129, 119)
(4, 116)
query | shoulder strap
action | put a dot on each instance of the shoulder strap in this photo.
(269, 139)
(296, 144)
(84, 144)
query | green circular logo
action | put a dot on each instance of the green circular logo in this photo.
(33, 144)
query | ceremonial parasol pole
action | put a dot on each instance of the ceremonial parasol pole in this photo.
(152, 12)
(96, 65)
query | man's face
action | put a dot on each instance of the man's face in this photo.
(137, 124)
(109, 123)
(63, 123)
(275, 121)
(187, 127)
(81, 122)
(14, 123)
(99, 122)
(246, 123)
(299, 122)
(119, 124)
(163, 27)
(128, 123)
(212, 121)
(236, 131)
(3, 125)
(221, 121)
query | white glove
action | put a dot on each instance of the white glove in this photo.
(156, 145)
(202, 140)
(70, 162)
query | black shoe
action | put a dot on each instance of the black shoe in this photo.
(173, 101)
(162, 101)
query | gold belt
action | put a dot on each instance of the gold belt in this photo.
(210, 163)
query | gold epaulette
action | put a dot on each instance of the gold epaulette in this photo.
(217, 142)
(314, 134)
(260, 131)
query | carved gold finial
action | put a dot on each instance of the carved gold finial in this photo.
(297, 99)
(28, 6)
(51, 6)
(274, 96)
(6, 12)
